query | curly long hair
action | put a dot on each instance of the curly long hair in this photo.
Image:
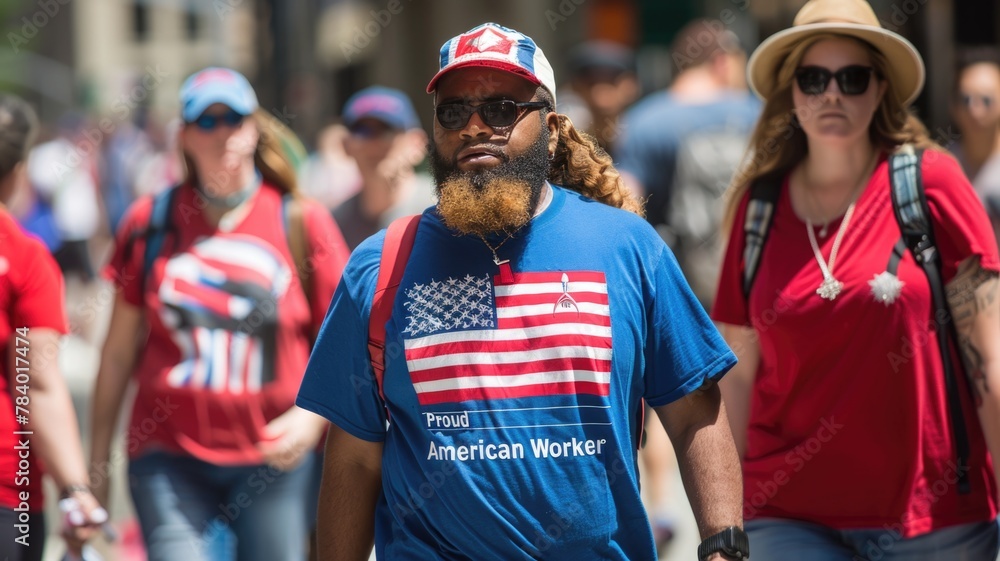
(778, 142)
(580, 164)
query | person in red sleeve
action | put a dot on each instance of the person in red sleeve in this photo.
(213, 323)
(839, 402)
(38, 428)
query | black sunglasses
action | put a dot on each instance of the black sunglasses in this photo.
(969, 101)
(495, 114)
(852, 80)
(208, 122)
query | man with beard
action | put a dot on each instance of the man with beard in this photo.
(505, 423)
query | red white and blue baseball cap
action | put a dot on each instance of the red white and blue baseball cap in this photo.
(494, 46)
(216, 85)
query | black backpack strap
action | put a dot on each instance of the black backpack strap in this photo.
(913, 215)
(760, 213)
(158, 228)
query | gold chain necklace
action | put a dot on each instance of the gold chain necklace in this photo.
(493, 249)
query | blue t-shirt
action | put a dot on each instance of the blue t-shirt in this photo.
(654, 129)
(515, 402)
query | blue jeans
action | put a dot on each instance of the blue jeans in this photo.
(188, 507)
(774, 540)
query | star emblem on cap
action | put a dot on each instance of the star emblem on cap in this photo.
(486, 40)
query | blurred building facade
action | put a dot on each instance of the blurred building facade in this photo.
(305, 57)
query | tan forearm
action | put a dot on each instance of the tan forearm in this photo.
(706, 455)
(109, 392)
(57, 435)
(352, 484)
(48, 410)
(113, 375)
(989, 418)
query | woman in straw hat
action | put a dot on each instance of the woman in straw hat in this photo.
(839, 403)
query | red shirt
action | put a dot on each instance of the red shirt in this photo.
(229, 324)
(31, 295)
(849, 423)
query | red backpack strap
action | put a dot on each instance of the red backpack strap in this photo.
(396, 250)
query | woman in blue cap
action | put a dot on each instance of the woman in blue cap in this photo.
(229, 273)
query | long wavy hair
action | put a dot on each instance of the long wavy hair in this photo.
(274, 156)
(580, 164)
(778, 142)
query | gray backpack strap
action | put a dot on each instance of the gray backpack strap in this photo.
(760, 213)
(913, 215)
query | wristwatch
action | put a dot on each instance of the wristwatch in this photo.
(731, 542)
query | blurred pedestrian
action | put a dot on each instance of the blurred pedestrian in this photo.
(387, 143)
(64, 172)
(681, 147)
(602, 85)
(976, 110)
(229, 274)
(125, 150)
(329, 175)
(512, 420)
(38, 428)
(859, 435)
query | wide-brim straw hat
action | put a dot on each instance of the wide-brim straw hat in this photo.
(854, 18)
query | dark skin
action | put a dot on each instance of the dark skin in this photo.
(697, 425)
(352, 469)
(476, 85)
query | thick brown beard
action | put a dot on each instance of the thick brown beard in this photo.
(502, 205)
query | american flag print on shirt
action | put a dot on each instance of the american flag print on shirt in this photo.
(476, 338)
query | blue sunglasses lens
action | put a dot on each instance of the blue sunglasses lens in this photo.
(209, 122)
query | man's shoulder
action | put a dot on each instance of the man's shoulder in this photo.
(648, 114)
(603, 219)
(728, 108)
(361, 272)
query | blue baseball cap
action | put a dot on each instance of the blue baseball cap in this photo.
(387, 105)
(495, 46)
(216, 85)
